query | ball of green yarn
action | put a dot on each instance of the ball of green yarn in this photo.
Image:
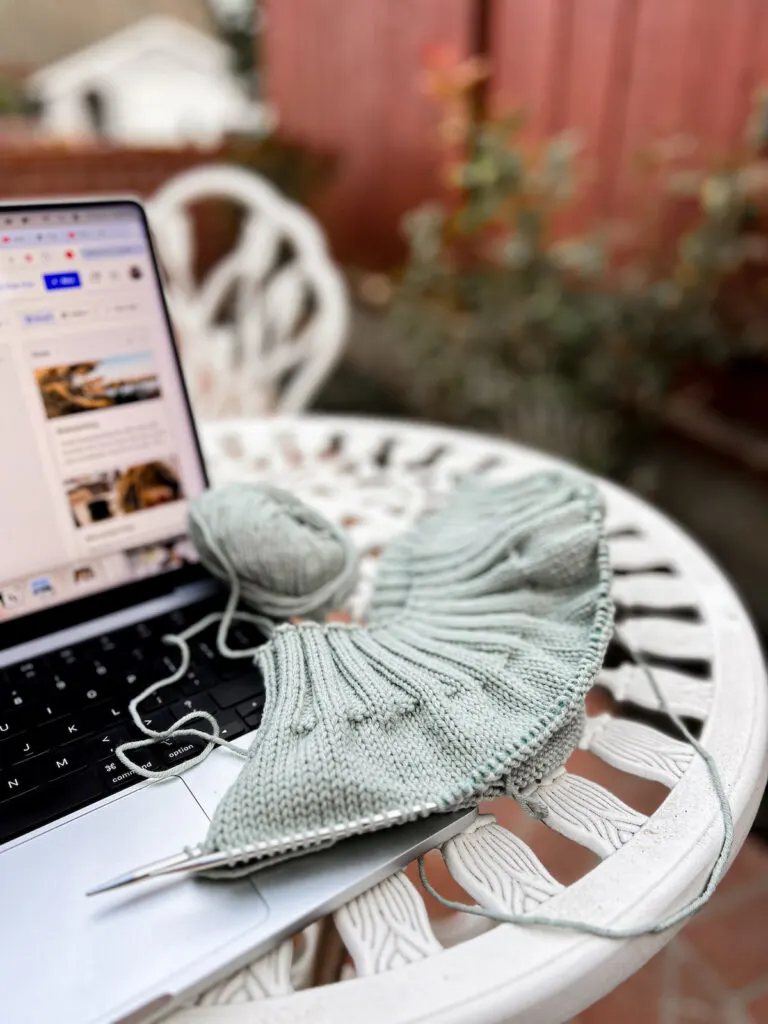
(287, 558)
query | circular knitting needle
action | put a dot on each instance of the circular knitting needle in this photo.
(194, 860)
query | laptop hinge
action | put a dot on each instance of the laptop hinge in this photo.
(179, 598)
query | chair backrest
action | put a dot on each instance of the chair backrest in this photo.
(262, 329)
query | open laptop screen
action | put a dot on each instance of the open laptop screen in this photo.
(98, 455)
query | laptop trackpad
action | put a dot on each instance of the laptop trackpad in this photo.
(69, 957)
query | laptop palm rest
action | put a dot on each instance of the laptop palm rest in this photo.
(75, 959)
(129, 955)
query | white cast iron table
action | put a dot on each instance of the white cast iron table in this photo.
(376, 477)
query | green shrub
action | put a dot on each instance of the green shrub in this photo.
(571, 343)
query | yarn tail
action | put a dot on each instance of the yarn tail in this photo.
(687, 911)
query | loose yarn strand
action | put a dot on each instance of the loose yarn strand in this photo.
(180, 728)
(687, 911)
(213, 554)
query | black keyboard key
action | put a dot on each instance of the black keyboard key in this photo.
(61, 762)
(228, 694)
(50, 709)
(19, 779)
(231, 726)
(94, 690)
(23, 747)
(144, 631)
(201, 702)
(142, 654)
(11, 724)
(181, 749)
(161, 698)
(67, 660)
(159, 720)
(22, 675)
(23, 705)
(114, 711)
(244, 636)
(129, 680)
(206, 655)
(115, 776)
(178, 620)
(203, 648)
(253, 706)
(167, 664)
(196, 681)
(108, 648)
(253, 721)
(47, 803)
(60, 687)
(105, 715)
(103, 744)
(99, 669)
(65, 730)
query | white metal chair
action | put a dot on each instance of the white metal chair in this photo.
(376, 477)
(261, 331)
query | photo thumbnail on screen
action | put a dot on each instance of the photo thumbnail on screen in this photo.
(97, 384)
(95, 497)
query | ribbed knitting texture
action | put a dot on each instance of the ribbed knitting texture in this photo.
(488, 624)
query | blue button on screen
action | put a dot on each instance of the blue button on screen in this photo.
(55, 281)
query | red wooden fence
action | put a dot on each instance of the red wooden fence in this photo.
(344, 75)
(625, 73)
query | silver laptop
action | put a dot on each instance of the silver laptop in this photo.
(98, 458)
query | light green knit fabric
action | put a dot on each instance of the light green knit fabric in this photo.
(488, 625)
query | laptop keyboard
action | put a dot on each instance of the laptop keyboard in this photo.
(63, 714)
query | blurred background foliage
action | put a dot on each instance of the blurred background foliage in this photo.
(573, 342)
(13, 99)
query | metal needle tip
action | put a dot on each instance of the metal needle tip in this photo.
(116, 883)
(183, 861)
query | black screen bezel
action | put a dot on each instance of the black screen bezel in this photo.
(71, 613)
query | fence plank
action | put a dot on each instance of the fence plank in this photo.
(656, 91)
(344, 75)
(525, 41)
(716, 56)
(592, 68)
(731, 96)
(594, 100)
(756, 76)
(626, 73)
(690, 65)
